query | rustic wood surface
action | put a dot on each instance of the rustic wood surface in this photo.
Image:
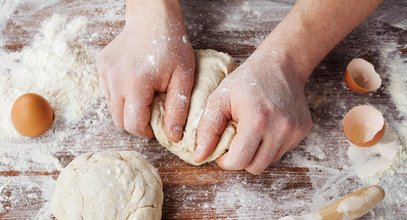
(235, 27)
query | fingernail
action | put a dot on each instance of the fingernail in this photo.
(177, 128)
(177, 131)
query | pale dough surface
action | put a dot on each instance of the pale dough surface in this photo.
(211, 68)
(108, 185)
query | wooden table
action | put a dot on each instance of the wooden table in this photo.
(292, 186)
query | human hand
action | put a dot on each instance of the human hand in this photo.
(266, 98)
(151, 54)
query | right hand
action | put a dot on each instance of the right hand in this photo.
(151, 54)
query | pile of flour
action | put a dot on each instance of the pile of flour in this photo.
(379, 160)
(58, 65)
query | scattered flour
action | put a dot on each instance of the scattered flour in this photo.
(26, 191)
(396, 65)
(151, 60)
(185, 39)
(379, 160)
(6, 9)
(243, 200)
(249, 14)
(3, 197)
(314, 144)
(303, 217)
(182, 97)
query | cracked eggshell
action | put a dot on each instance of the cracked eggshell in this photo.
(361, 77)
(31, 115)
(363, 125)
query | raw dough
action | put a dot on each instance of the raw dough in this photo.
(108, 185)
(211, 68)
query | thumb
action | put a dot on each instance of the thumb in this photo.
(211, 127)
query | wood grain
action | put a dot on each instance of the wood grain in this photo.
(207, 192)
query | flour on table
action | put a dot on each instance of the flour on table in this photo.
(58, 65)
(6, 9)
(314, 144)
(212, 67)
(243, 200)
(381, 159)
(396, 68)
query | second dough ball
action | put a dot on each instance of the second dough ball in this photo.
(108, 185)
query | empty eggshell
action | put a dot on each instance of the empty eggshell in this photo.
(31, 115)
(363, 125)
(361, 77)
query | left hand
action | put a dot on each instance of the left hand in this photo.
(265, 96)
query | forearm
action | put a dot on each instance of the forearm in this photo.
(314, 27)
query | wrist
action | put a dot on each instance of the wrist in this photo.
(155, 8)
(274, 49)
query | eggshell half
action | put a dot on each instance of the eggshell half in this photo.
(31, 115)
(363, 125)
(361, 77)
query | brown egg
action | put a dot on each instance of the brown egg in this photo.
(31, 115)
(361, 77)
(363, 125)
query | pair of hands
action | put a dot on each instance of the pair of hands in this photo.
(264, 95)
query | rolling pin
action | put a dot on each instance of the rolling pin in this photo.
(351, 206)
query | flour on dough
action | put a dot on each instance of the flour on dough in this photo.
(211, 68)
(108, 185)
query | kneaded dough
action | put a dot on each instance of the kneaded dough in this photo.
(108, 185)
(211, 68)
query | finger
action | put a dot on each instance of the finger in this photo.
(243, 147)
(137, 112)
(211, 127)
(284, 149)
(117, 105)
(264, 156)
(293, 142)
(177, 103)
(105, 89)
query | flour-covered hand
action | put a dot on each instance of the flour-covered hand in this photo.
(266, 98)
(151, 54)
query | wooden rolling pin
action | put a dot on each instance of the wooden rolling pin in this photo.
(351, 206)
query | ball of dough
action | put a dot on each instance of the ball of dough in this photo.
(211, 68)
(108, 185)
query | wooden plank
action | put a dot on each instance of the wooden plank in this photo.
(207, 192)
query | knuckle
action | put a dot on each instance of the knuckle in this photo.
(262, 119)
(288, 126)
